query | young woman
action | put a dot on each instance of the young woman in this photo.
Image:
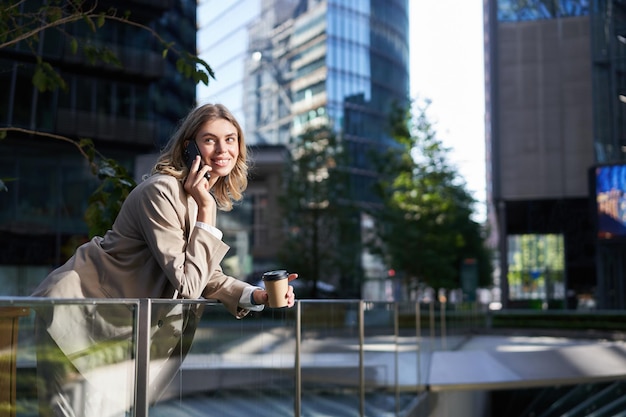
(163, 244)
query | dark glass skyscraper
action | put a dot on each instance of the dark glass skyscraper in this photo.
(127, 111)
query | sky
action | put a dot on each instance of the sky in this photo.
(447, 67)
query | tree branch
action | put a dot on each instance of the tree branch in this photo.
(23, 33)
(47, 135)
(79, 15)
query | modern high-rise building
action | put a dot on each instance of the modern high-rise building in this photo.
(284, 66)
(554, 106)
(608, 182)
(127, 111)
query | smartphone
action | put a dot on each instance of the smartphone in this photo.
(191, 151)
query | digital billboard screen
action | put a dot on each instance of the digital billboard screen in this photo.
(610, 191)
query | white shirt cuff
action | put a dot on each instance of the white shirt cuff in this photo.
(245, 300)
(211, 229)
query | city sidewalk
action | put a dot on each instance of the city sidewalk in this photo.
(488, 362)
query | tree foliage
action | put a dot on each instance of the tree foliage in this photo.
(322, 241)
(423, 227)
(22, 23)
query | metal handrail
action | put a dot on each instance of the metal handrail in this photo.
(142, 335)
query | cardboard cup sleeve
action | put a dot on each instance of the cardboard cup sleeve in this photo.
(276, 285)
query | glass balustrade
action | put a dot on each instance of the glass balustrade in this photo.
(187, 358)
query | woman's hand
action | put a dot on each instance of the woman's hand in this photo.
(261, 297)
(198, 187)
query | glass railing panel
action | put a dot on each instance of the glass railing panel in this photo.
(430, 327)
(226, 366)
(67, 354)
(390, 361)
(380, 359)
(413, 361)
(330, 357)
(343, 358)
(464, 319)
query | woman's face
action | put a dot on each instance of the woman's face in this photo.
(218, 142)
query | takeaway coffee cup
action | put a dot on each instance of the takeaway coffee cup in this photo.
(276, 285)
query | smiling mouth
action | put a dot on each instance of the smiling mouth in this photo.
(221, 162)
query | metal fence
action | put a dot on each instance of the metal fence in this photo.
(148, 357)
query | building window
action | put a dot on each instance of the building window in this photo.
(536, 267)
(260, 235)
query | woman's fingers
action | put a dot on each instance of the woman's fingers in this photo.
(198, 173)
(290, 296)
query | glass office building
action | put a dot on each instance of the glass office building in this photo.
(128, 111)
(284, 66)
(555, 123)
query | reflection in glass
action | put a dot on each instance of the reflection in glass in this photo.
(84, 354)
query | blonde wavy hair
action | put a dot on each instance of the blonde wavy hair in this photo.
(171, 161)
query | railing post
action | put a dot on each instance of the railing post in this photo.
(361, 358)
(297, 405)
(442, 317)
(142, 358)
(431, 312)
(9, 322)
(418, 339)
(396, 334)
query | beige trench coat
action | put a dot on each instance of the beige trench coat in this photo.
(153, 250)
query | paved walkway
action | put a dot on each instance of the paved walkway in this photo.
(478, 363)
(488, 362)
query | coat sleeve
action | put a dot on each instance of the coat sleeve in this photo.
(228, 294)
(190, 264)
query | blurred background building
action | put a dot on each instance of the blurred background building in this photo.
(127, 111)
(284, 66)
(555, 130)
(554, 127)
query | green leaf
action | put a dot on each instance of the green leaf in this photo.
(203, 64)
(54, 13)
(180, 65)
(40, 81)
(88, 147)
(74, 46)
(91, 53)
(89, 23)
(44, 78)
(164, 53)
(201, 76)
(3, 134)
(101, 20)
